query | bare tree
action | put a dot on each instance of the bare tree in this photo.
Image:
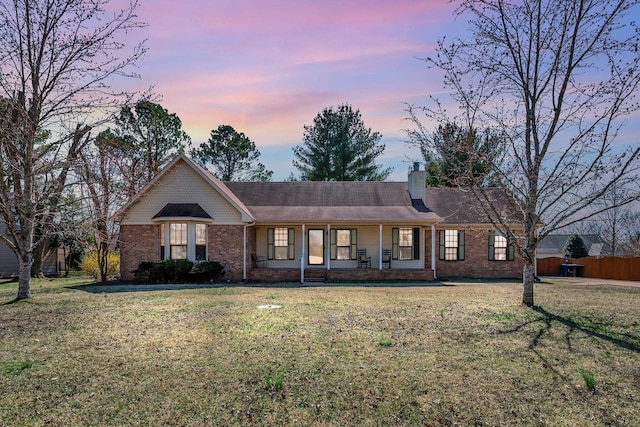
(630, 233)
(610, 221)
(57, 58)
(557, 78)
(102, 181)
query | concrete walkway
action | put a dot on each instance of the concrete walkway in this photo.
(591, 281)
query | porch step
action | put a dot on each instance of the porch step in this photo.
(314, 275)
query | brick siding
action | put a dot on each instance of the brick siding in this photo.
(340, 274)
(140, 243)
(225, 245)
(271, 275)
(361, 274)
(476, 262)
(137, 243)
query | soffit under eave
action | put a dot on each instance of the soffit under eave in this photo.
(449, 226)
(424, 223)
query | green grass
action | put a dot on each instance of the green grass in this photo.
(16, 368)
(465, 354)
(589, 379)
(385, 342)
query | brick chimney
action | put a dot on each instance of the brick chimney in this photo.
(417, 181)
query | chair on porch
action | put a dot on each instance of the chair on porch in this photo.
(364, 261)
(259, 260)
(386, 258)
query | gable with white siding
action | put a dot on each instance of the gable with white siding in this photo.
(184, 184)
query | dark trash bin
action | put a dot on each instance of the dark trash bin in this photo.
(564, 269)
(569, 270)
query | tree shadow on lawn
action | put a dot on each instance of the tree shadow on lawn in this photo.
(587, 326)
(118, 287)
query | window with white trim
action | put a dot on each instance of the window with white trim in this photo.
(178, 240)
(201, 242)
(184, 240)
(499, 247)
(344, 243)
(405, 243)
(451, 245)
(280, 243)
(161, 238)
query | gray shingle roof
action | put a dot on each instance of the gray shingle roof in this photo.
(322, 193)
(330, 201)
(554, 243)
(172, 210)
(364, 201)
(460, 206)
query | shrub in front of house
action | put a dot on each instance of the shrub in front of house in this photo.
(178, 271)
(171, 271)
(208, 271)
(141, 274)
(90, 265)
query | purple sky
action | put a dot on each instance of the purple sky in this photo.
(267, 67)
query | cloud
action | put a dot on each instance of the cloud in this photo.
(268, 67)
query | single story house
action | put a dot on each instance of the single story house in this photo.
(299, 231)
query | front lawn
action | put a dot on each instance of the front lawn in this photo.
(463, 354)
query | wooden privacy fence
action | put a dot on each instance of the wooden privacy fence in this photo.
(616, 268)
(549, 266)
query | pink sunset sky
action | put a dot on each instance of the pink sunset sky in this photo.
(267, 67)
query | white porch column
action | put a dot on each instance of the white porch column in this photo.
(433, 250)
(302, 257)
(380, 248)
(329, 247)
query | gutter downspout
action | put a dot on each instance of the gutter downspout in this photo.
(302, 257)
(380, 248)
(328, 254)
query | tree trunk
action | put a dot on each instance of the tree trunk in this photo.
(103, 259)
(38, 260)
(528, 279)
(24, 277)
(66, 262)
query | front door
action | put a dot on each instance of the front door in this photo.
(316, 247)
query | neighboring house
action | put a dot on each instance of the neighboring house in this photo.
(553, 245)
(296, 231)
(9, 266)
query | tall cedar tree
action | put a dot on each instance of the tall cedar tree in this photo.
(339, 147)
(557, 78)
(58, 59)
(232, 156)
